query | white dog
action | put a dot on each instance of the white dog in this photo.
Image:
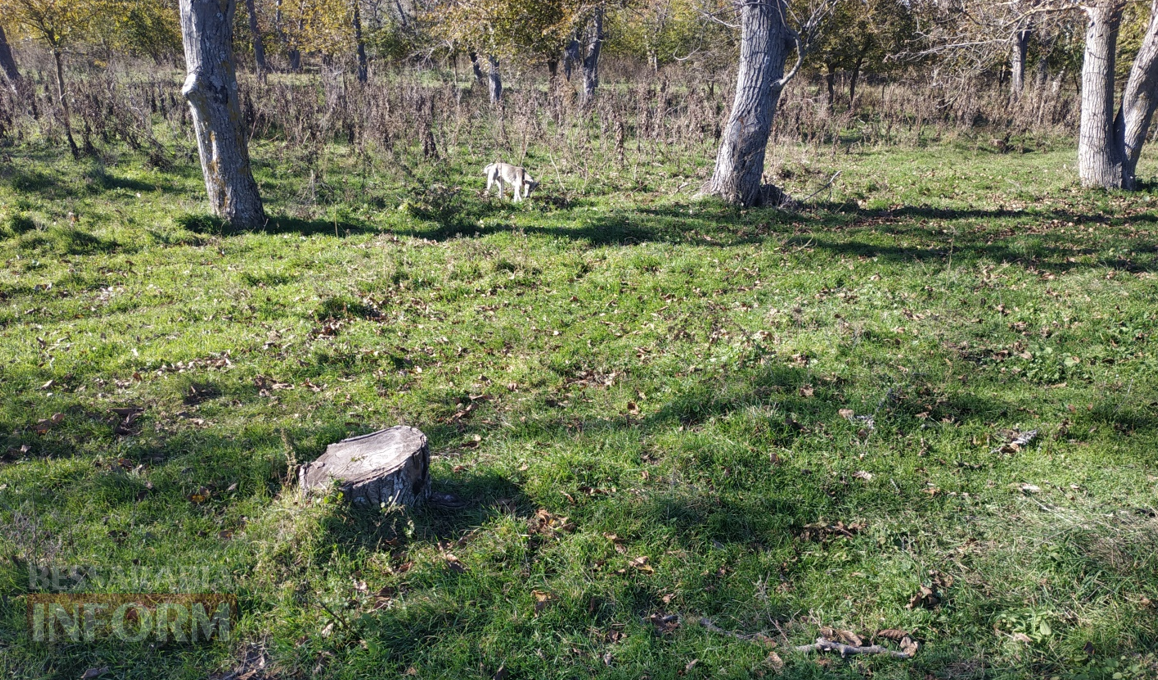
(505, 173)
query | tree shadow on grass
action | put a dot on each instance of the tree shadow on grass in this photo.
(832, 228)
(201, 223)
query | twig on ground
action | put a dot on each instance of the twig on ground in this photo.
(826, 645)
(826, 185)
(754, 637)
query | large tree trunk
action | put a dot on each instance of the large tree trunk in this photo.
(211, 89)
(1099, 140)
(764, 44)
(1139, 100)
(363, 68)
(8, 63)
(258, 46)
(1018, 54)
(65, 114)
(495, 81)
(591, 60)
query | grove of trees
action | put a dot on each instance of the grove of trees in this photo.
(1095, 50)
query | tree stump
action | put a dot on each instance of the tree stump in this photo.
(388, 467)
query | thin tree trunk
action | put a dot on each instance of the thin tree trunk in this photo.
(1139, 100)
(1042, 74)
(1017, 59)
(8, 63)
(591, 60)
(478, 74)
(855, 77)
(279, 28)
(1099, 140)
(258, 46)
(495, 81)
(363, 68)
(295, 54)
(764, 46)
(65, 115)
(570, 58)
(830, 80)
(211, 89)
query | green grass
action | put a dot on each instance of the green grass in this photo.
(672, 372)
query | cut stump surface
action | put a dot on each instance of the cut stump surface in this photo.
(388, 467)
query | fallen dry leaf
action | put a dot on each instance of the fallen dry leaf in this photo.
(542, 599)
(665, 624)
(774, 662)
(846, 413)
(453, 563)
(862, 474)
(909, 645)
(925, 597)
(846, 636)
(546, 523)
(641, 563)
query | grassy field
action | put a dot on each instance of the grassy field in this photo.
(655, 409)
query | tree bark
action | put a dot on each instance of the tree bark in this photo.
(295, 55)
(591, 59)
(363, 68)
(211, 89)
(830, 80)
(854, 79)
(1099, 140)
(388, 467)
(258, 46)
(1139, 100)
(764, 44)
(478, 74)
(8, 63)
(65, 114)
(495, 81)
(570, 58)
(1019, 52)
